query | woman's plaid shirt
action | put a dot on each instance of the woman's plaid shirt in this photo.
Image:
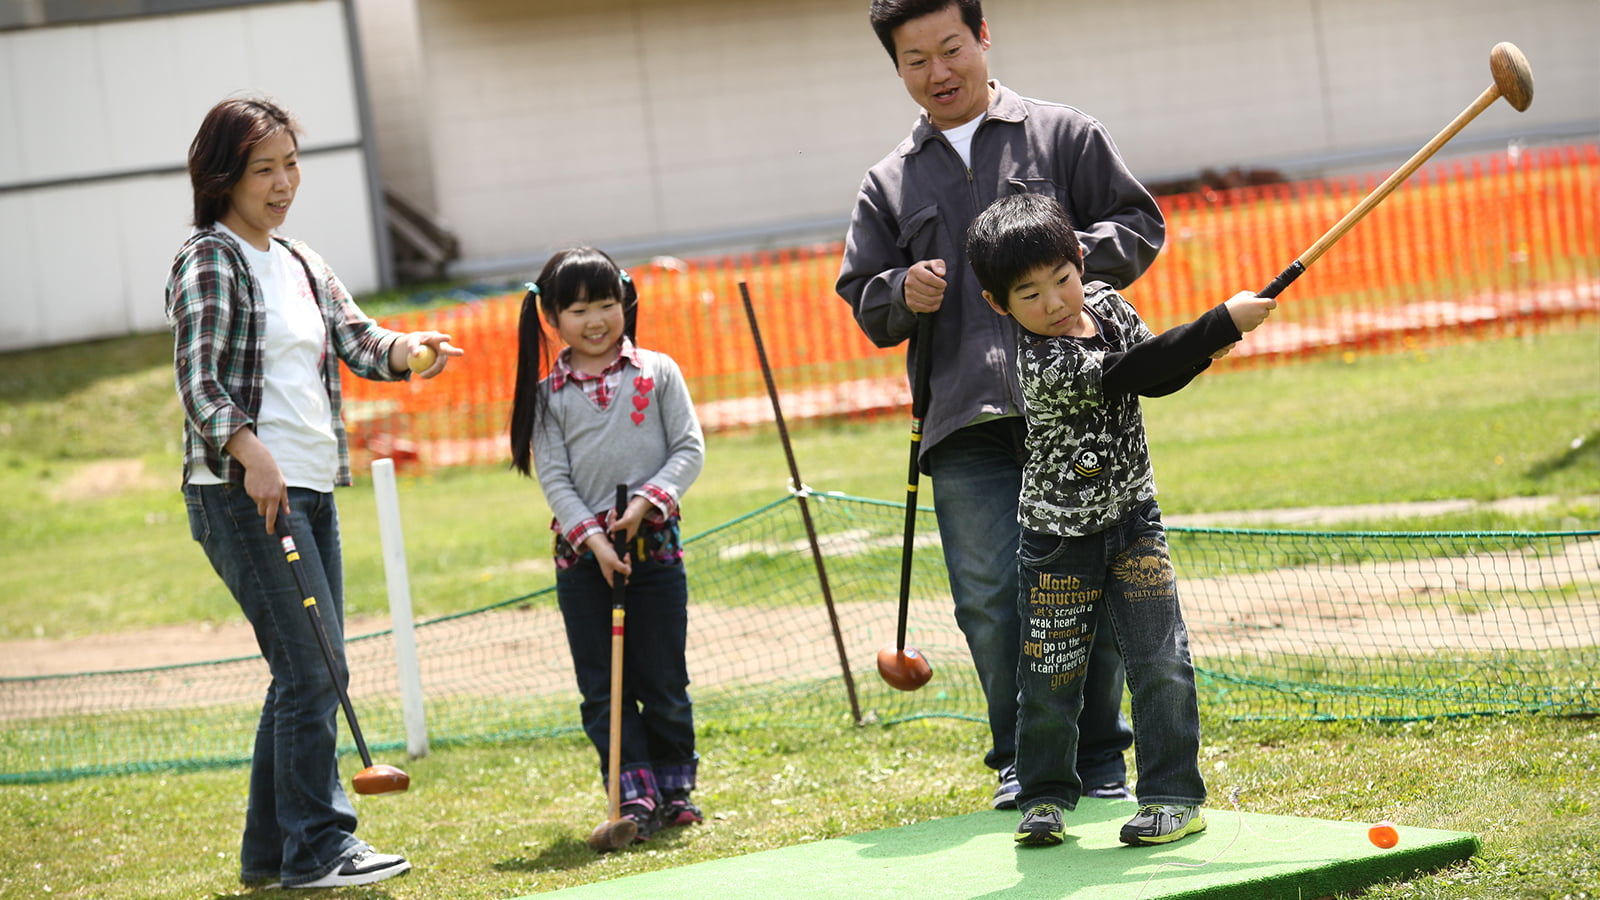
(218, 320)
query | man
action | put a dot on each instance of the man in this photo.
(977, 140)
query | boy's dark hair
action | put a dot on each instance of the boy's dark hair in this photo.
(579, 274)
(221, 150)
(887, 15)
(1017, 234)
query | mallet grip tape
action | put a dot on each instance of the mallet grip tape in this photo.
(1284, 279)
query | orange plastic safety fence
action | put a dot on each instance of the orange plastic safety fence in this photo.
(1468, 249)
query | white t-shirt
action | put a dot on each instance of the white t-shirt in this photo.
(296, 418)
(960, 137)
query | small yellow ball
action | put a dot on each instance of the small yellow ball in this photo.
(423, 360)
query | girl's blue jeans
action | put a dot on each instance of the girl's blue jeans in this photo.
(977, 479)
(298, 825)
(657, 715)
(1125, 571)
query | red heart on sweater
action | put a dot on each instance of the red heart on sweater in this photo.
(644, 383)
(638, 417)
(640, 402)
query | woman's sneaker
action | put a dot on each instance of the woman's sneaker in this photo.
(1157, 824)
(365, 867)
(1041, 826)
(680, 811)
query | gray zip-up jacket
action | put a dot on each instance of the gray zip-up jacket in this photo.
(916, 204)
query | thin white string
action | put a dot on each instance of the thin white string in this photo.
(1233, 800)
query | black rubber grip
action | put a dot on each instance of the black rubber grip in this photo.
(1284, 279)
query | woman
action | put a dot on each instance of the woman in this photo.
(260, 324)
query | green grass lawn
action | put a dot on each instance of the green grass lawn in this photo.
(89, 463)
(96, 540)
(482, 823)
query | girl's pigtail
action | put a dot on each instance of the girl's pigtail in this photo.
(527, 402)
(630, 306)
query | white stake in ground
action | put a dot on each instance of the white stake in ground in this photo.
(405, 636)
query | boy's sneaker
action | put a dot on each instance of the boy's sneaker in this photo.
(680, 811)
(1157, 824)
(365, 867)
(1117, 790)
(645, 814)
(1041, 827)
(1005, 795)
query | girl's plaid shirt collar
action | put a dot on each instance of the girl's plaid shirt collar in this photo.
(600, 388)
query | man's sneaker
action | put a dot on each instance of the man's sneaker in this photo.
(365, 867)
(1157, 824)
(1116, 790)
(1041, 827)
(1005, 795)
(680, 811)
(644, 813)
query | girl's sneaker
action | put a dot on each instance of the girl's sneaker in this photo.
(645, 814)
(680, 811)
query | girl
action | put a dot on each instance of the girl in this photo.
(612, 413)
(260, 324)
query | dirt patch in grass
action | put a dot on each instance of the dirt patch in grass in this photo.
(163, 645)
(108, 477)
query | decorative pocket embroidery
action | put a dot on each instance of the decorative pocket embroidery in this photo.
(642, 384)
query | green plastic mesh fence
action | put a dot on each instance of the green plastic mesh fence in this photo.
(1283, 624)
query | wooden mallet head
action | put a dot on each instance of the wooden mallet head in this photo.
(380, 779)
(1512, 75)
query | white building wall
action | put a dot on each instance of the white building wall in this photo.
(95, 126)
(645, 123)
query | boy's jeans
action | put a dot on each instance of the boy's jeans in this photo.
(1065, 582)
(299, 825)
(657, 716)
(977, 478)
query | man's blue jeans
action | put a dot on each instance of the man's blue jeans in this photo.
(657, 715)
(299, 825)
(977, 481)
(1069, 585)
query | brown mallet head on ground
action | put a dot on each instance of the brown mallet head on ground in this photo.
(904, 670)
(1512, 75)
(380, 780)
(613, 834)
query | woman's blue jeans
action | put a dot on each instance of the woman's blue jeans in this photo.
(299, 825)
(657, 715)
(1070, 586)
(977, 481)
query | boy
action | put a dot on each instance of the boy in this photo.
(1091, 529)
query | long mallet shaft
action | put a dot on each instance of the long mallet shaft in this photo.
(616, 832)
(919, 408)
(372, 779)
(1513, 80)
(902, 667)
